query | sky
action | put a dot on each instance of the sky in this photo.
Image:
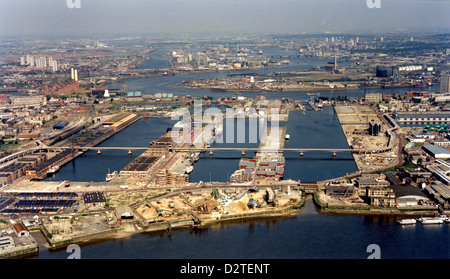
(54, 17)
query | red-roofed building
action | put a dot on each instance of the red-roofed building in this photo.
(21, 230)
(64, 88)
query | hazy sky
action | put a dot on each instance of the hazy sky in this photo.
(53, 17)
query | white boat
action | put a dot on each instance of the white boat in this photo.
(288, 136)
(446, 218)
(431, 220)
(110, 176)
(189, 169)
(53, 170)
(218, 130)
(407, 221)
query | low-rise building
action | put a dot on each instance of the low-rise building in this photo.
(124, 212)
(20, 229)
(439, 191)
(7, 242)
(373, 97)
(95, 199)
(441, 142)
(384, 201)
(366, 182)
(408, 195)
(436, 151)
(28, 100)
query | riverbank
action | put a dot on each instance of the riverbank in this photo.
(355, 121)
(365, 209)
(187, 223)
(133, 227)
(281, 90)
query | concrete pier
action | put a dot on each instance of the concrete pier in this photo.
(273, 140)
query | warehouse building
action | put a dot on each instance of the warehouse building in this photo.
(385, 71)
(96, 199)
(366, 182)
(14, 171)
(21, 230)
(140, 166)
(6, 242)
(408, 195)
(423, 117)
(40, 171)
(436, 151)
(439, 191)
(124, 212)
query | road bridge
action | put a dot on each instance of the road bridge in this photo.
(242, 149)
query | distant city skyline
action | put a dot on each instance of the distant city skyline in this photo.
(133, 17)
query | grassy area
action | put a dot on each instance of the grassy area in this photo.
(9, 144)
(115, 199)
(3, 224)
(407, 164)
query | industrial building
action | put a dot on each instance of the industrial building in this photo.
(6, 242)
(43, 205)
(94, 139)
(392, 178)
(384, 71)
(445, 84)
(374, 128)
(140, 166)
(160, 146)
(14, 171)
(33, 160)
(366, 182)
(28, 100)
(408, 195)
(21, 230)
(40, 171)
(60, 125)
(94, 199)
(65, 87)
(42, 202)
(387, 200)
(439, 191)
(422, 117)
(373, 97)
(168, 178)
(120, 120)
(436, 151)
(124, 212)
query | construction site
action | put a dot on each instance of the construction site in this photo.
(164, 211)
(201, 207)
(365, 131)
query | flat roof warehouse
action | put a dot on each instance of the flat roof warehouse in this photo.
(436, 151)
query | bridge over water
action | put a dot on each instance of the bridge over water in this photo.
(241, 149)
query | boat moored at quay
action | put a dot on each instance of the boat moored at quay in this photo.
(407, 221)
(431, 220)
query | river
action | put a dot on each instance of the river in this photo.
(307, 235)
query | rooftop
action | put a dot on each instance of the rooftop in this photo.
(401, 190)
(435, 149)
